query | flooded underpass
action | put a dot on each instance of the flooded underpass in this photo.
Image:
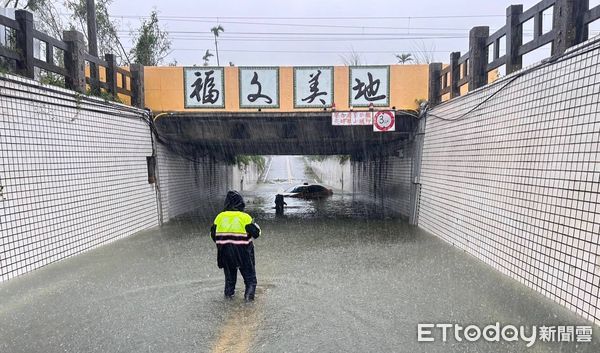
(334, 275)
(283, 174)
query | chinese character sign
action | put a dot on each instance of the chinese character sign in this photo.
(351, 118)
(259, 87)
(204, 87)
(313, 87)
(369, 85)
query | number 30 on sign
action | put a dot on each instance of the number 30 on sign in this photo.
(384, 120)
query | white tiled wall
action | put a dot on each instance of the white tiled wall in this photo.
(190, 183)
(73, 175)
(516, 181)
(386, 181)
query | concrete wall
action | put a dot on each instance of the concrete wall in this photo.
(73, 175)
(332, 172)
(515, 181)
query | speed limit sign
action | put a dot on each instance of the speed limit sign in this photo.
(384, 120)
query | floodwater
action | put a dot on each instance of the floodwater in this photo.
(286, 172)
(353, 283)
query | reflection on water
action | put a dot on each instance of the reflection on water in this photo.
(286, 172)
(261, 204)
(332, 277)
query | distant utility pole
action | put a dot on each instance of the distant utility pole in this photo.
(91, 28)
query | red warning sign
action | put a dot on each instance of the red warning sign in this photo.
(384, 120)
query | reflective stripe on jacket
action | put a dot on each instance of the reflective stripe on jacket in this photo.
(231, 228)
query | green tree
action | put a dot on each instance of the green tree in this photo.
(48, 20)
(152, 44)
(108, 39)
(47, 15)
(206, 57)
(216, 30)
(404, 58)
(243, 161)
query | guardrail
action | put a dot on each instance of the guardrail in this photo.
(75, 60)
(569, 27)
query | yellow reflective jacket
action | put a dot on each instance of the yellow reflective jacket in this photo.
(234, 227)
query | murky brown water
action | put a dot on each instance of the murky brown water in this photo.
(286, 172)
(330, 279)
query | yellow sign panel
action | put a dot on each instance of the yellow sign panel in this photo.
(284, 89)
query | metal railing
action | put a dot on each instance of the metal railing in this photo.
(69, 59)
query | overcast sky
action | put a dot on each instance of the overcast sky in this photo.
(318, 32)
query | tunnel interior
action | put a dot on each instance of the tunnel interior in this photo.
(224, 135)
(369, 172)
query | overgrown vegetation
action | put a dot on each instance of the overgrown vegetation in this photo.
(243, 161)
(150, 46)
(342, 158)
(317, 158)
(107, 96)
(106, 29)
(50, 78)
(4, 66)
(152, 43)
(50, 19)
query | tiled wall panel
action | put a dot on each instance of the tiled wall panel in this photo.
(73, 175)
(190, 183)
(385, 181)
(515, 181)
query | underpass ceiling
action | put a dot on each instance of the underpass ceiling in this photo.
(278, 133)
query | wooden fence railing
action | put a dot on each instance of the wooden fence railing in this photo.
(570, 19)
(69, 59)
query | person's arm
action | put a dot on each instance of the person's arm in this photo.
(253, 229)
(213, 232)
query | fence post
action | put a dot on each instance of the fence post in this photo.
(25, 43)
(111, 74)
(568, 24)
(454, 74)
(74, 61)
(514, 38)
(137, 85)
(478, 57)
(95, 88)
(435, 71)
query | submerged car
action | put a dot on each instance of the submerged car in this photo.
(313, 191)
